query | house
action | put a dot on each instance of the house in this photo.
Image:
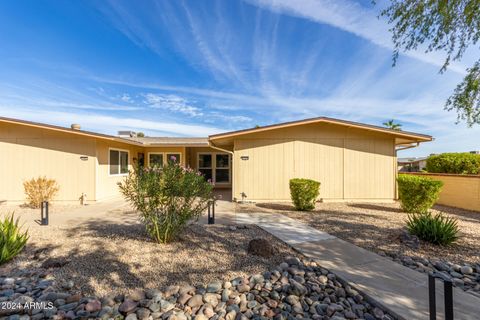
(353, 161)
(412, 164)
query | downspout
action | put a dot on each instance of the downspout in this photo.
(396, 167)
(409, 147)
(211, 145)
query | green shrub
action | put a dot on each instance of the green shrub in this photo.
(39, 190)
(459, 163)
(166, 197)
(12, 239)
(417, 194)
(437, 229)
(304, 193)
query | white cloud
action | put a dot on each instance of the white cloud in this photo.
(351, 17)
(172, 103)
(126, 98)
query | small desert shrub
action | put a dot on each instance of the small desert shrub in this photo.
(12, 239)
(166, 198)
(459, 163)
(304, 193)
(417, 194)
(40, 189)
(437, 229)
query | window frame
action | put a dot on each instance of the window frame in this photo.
(119, 162)
(164, 154)
(214, 166)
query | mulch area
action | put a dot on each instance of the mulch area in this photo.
(377, 227)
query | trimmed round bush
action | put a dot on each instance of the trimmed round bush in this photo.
(458, 163)
(304, 193)
(437, 229)
(417, 194)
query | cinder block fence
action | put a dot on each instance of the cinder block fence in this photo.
(459, 190)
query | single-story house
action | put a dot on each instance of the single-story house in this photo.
(414, 164)
(353, 161)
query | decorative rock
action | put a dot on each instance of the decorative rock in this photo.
(195, 301)
(143, 313)
(93, 306)
(214, 287)
(466, 270)
(261, 247)
(127, 306)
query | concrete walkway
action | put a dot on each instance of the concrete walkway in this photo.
(401, 290)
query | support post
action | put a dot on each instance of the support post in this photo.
(448, 293)
(431, 297)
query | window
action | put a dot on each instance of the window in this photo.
(162, 158)
(222, 168)
(205, 165)
(215, 166)
(118, 162)
(173, 157)
(155, 159)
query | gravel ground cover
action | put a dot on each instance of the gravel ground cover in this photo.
(103, 258)
(381, 228)
(293, 289)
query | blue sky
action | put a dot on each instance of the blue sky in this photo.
(193, 68)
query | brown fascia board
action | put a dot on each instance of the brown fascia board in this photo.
(417, 136)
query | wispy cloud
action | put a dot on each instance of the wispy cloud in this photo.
(172, 103)
(352, 17)
(108, 124)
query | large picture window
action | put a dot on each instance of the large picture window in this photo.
(215, 167)
(118, 162)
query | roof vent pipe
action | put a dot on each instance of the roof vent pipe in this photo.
(75, 126)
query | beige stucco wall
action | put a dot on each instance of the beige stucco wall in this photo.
(461, 191)
(28, 152)
(351, 164)
(106, 184)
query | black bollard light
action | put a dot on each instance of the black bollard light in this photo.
(211, 212)
(447, 293)
(431, 297)
(44, 213)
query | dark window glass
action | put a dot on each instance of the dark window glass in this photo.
(123, 162)
(204, 160)
(173, 157)
(222, 161)
(222, 175)
(155, 159)
(114, 162)
(207, 173)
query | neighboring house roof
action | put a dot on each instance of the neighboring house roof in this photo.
(411, 160)
(409, 136)
(171, 141)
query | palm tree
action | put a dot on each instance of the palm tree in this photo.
(390, 124)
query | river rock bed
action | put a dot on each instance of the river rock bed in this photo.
(292, 290)
(466, 276)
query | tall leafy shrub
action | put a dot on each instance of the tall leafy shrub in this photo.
(166, 198)
(437, 229)
(304, 193)
(459, 163)
(40, 189)
(12, 238)
(417, 194)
